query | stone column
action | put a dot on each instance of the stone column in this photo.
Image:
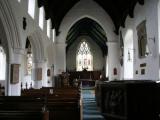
(39, 74)
(60, 59)
(14, 89)
(113, 61)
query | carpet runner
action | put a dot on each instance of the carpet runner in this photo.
(90, 111)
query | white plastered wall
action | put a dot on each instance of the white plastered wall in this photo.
(158, 9)
(127, 34)
(146, 12)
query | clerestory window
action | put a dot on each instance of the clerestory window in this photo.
(41, 17)
(31, 8)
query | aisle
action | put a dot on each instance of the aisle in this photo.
(90, 111)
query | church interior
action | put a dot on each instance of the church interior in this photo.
(79, 59)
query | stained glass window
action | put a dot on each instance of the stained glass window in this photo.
(84, 57)
(2, 63)
(29, 61)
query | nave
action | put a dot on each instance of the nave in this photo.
(50, 103)
(108, 100)
(47, 43)
(47, 103)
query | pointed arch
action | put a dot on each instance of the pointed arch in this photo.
(9, 36)
(87, 26)
(29, 56)
(89, 11)
(10, 25)
(37, 46)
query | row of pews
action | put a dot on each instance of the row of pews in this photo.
(42, 104)
(129, 99)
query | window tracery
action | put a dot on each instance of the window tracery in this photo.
(29, 61)
(84, 57)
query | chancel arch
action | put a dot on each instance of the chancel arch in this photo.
(86, 46)
(91, 10)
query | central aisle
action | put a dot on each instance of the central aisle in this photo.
(90, 111)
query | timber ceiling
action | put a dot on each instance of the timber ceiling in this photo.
(89, 28)
(118, 10)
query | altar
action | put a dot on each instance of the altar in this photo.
(85, 75)
(85, 78)
(87, 82)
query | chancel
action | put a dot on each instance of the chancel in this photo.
(79, 59)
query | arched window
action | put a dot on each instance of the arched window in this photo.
(29, 60)
(2, 64)
(41, 17)
(31, 8)
(84, 57)
(29, 64)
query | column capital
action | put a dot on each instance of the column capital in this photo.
(61, 43)
(19, 51)
(111, 42)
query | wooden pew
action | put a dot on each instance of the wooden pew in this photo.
(62, 107)
(21, 115)
(48, 91)
(21, 103)
(34, 92)
(22, 108)
(62, 103)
